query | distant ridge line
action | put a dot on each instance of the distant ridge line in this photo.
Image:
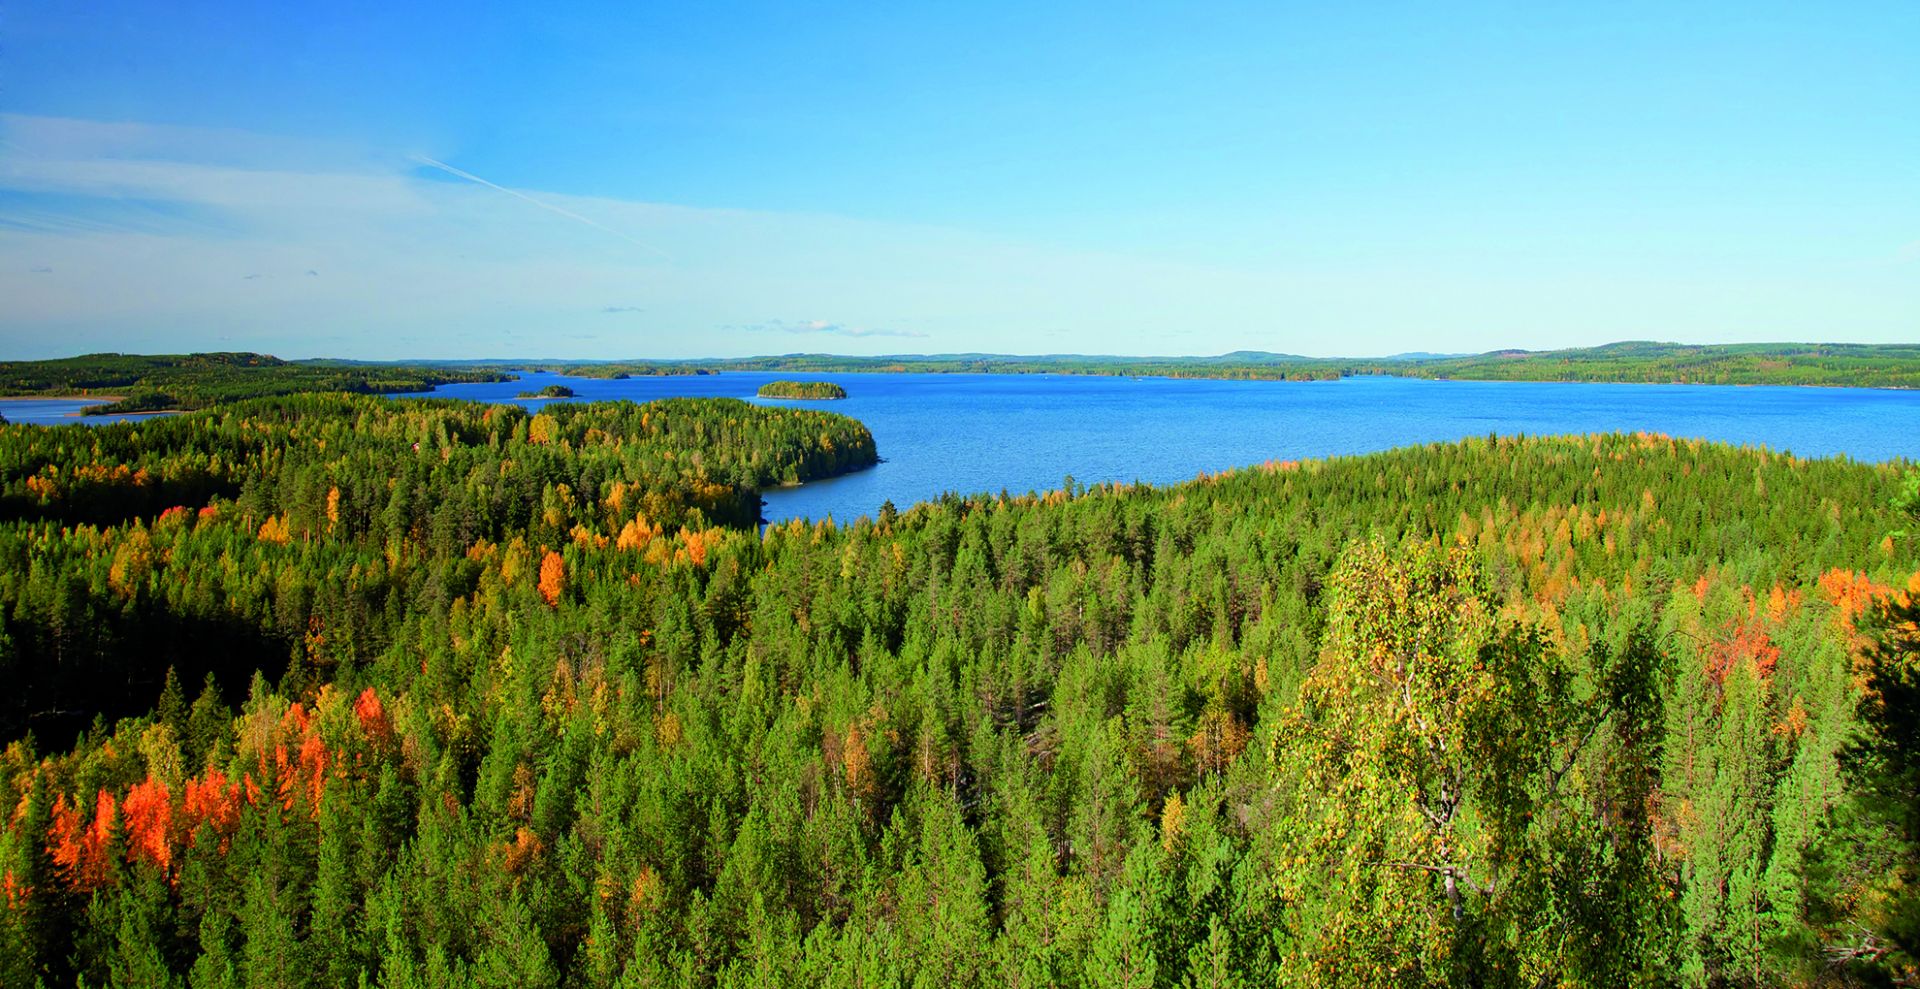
(1627, 361)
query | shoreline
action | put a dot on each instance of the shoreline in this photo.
(1277, 379)
(101, 399)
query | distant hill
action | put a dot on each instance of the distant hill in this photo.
(1645, 361)
(1423, 355)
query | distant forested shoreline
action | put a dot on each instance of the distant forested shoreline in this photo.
(192, 381)
(184, 382)
(1637, 362)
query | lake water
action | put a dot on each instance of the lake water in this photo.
(985, 432)
(62, 411)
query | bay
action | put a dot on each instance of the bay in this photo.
(64, 411)
(971, 433)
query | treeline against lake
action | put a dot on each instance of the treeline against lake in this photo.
(303, 510)
(1638, 362)
(1851, 365)
(1241, 365)
(802, 389)
(1581, 711)
(196, 381)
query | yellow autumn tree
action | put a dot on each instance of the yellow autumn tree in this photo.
(274, 530)
(1427, 766)
(132, 562)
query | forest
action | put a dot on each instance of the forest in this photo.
(1638, 362)
(802, 389)
(335, 690)
(196, 381)
(153, 383)
(1853, 365)
(1240, 365)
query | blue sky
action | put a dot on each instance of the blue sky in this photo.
(672, 180)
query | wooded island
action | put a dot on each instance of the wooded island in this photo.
(802, 389)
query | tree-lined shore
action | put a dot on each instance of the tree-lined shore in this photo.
(426, 692)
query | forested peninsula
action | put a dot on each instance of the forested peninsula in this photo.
(164, 382)
(817, 390)
(333, 690)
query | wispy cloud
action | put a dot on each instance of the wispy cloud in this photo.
(152, 229)
(825, 328)
(149, 232)
(549, 207)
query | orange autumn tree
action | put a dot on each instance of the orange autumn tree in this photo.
(80, 851)
(300, 761)
(553, 578)
(148, 811)
(214, 801)
(1742, 640)
(373, 717)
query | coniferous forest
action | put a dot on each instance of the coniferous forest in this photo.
(802, 389)
(175, 382)
(338, 690)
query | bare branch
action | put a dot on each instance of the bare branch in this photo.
(1457, 872)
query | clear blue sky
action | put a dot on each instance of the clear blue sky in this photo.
(702, 179)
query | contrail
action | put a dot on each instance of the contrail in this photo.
(549, 207)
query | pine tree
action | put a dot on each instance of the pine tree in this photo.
(512, 954)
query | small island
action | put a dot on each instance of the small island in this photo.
(550, 391)
(802, 389)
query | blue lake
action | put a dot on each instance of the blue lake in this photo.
(62, 411)
(985, 432)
